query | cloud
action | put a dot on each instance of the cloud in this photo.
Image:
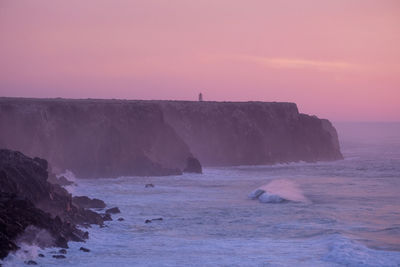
(297, 63)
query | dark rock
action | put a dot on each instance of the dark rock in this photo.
(84, 249)
(30, 262)
(86, 235)
(121, 219)
(86, 202)
(62, 251)
(156, 219)
(149, 185)
(59, 256)
(60, 181)
(106, 217)
(31, 207)
(64, 181)
(193, 165)
(41, 255)
(114, 210)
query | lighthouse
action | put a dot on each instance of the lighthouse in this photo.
(200, 97)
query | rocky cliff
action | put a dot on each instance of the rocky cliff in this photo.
(93, 138)
(34, 211)
(109, 138)
(251, 133)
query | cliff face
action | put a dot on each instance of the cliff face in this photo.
(251, 133)
(93, 138)
(109, 138)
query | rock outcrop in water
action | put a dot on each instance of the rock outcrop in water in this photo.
(30, 205)
(110, 138)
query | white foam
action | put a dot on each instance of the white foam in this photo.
(270, 198)
(69, 175)
(278, 191)
(346, 252)
(25, 253)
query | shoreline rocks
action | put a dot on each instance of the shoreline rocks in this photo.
(31, 208)
(86, 202)
(114, 210)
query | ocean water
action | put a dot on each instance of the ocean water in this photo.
(343, 213)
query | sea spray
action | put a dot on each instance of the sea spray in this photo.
(278, 191)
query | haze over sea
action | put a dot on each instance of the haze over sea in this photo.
(342, 213)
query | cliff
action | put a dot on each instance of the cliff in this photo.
(251, 133)
(110, 138)
(93, 138)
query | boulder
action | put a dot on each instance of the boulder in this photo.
(86, 202)
(84, 249)
(114, 210)
(106, 217)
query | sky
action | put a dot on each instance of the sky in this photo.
(336, 59)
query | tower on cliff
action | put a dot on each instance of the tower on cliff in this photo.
(200, 97)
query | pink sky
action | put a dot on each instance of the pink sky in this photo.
(336, 59)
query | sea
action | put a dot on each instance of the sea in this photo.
(341, 213)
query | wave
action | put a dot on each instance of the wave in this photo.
(279, 191)
(344, 251)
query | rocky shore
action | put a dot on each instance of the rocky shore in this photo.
(34, 211)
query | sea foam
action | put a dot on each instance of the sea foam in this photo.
(278, 191)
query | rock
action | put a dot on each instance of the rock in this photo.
(156, 219)
(62, 251)
(121, 219)
(64, 181)
(86, 202)
(30, 262)
(114, 210)
(271, 198)
(41, 255)
(84, 249)
(148, 185)
(31, 207)
(193, 165)
(106, 217)
(256, 193)
(59, 256)
(60, 181)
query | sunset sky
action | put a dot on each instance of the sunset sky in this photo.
(336, 59)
